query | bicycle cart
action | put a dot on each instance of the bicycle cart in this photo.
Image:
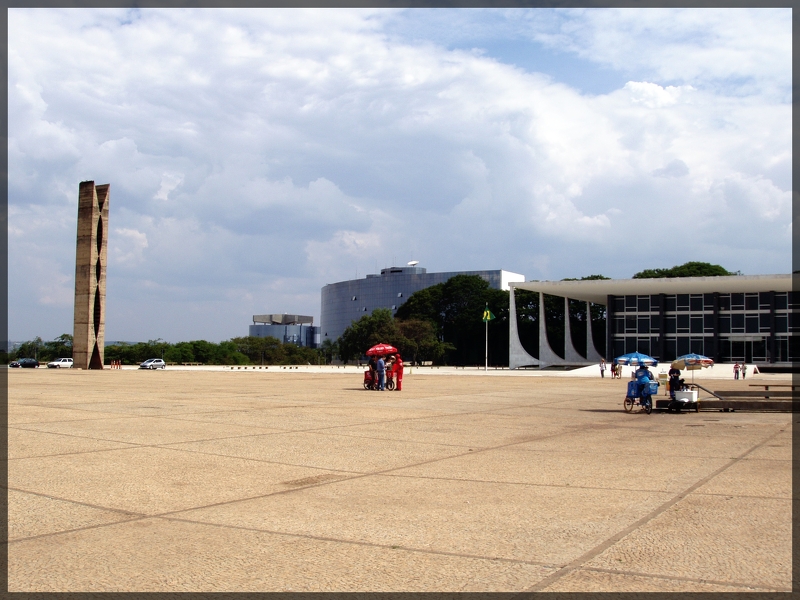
(640, 394)
(371, 383)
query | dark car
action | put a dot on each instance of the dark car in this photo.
(25, 363)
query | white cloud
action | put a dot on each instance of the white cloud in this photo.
(255, 156)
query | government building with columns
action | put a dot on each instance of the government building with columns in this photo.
(745, 318)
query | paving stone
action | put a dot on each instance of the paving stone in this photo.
(183, 480)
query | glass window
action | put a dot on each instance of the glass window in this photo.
(764, 322)
(737, 323)
(630, 324)
(655, 323)
(724, 324)
(619, 325)
(682, 346)
(696, 303)
(655, 302)
(670, 302)
(696, 346)
(697, 325)
(708, 301)
(781, 324)
(630, 303)
(683, 323)
(644, 325)
(737, 301)
(794, 299)
(669, 325)
(794, 321)
(781, 301)
(619, 304)
(643, 304)
(751, 324)
(643, 345)
(630, 344)
(724, 301)
(671, 351)
(751, 302)
(763, 300)
(683, 301)
(619, 346)
(708, 323)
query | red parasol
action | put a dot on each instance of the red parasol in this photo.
(379, 349)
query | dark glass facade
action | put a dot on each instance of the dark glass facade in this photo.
(756, 327)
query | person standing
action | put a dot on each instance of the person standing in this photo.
(736, 368)
(744, 370)
(381, 368)
(602, 367)
(398, 372)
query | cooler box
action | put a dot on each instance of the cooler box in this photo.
(687, 396)
(653, 388)
(633, 389)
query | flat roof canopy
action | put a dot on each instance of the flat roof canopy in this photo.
(598, 290)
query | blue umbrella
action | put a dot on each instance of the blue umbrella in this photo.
(636, 359)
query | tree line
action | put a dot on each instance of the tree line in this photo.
(236, 351)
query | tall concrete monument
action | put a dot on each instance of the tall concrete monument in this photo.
(90, 276)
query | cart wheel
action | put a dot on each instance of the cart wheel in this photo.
(628, 404)
(367, 385)
(390, 385)
(648, 406)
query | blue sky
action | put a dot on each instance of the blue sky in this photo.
(256, 155)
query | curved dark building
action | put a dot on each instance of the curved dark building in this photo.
(348, 301)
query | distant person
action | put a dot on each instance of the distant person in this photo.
(398, 372)
(736, 368)
(381, 368)
(675, 382)
(373, 370)
(744, 370)
(602, 367)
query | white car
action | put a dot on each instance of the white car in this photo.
(60, 363)
(153, 363)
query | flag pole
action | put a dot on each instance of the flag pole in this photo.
(486, 355)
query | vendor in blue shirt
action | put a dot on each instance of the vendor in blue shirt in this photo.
(381, 368)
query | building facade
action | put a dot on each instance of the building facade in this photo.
(289, 329)
(348, 301)
(739, 318)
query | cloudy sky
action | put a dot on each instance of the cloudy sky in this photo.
(256, 155)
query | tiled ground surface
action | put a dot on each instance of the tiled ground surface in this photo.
(236, 481)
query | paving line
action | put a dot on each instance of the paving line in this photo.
(322, 538)
(597, 550)
(737, 584)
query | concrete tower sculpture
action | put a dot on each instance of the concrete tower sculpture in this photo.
(90, 276)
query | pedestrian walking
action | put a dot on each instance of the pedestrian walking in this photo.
(744, 370)
(602, 367)
(736, 368)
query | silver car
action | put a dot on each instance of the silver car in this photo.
(60, 363)
(153, 363)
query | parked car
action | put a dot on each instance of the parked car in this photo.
(153, 363)
(60, 363)
(14, 364)
(25, 363)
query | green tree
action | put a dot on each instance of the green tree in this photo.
(421, 342)
(329, 350)
(689, 269)
(378, 327)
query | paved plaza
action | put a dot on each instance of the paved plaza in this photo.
(180, 480)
